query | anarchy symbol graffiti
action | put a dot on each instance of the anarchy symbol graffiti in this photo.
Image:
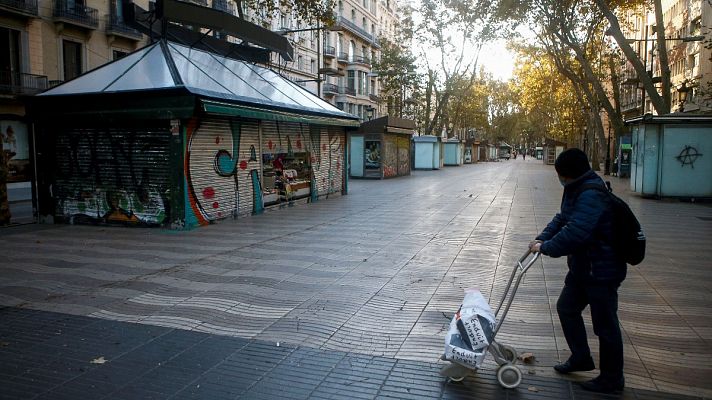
(688, 156)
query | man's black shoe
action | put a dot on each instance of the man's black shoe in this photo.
(601, 385)
(573, 366)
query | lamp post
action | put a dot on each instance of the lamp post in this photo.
(683, 90)
(607, 167)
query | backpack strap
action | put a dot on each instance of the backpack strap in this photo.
(595, 186)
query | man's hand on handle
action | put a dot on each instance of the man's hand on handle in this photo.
(535, 246)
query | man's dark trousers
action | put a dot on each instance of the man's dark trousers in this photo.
(603, 299)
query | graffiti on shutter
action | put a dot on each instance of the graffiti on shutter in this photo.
(112, 175)
(403, 156)
(390, 156)
(250, 188)
(211, 170)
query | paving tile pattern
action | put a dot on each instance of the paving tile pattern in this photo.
(379, 273)
(48, 356)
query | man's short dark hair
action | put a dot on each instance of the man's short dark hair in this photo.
(572, 163)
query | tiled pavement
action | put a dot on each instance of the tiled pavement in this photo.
(357, 291)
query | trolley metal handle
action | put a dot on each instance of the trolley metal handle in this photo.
(523, 264)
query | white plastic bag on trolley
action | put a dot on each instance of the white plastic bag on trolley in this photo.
(471, 331)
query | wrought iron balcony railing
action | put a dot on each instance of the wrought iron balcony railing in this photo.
(354, 28)
(344, 57)
(24, 7)
(330, 88)
(77, 14)
(347, 90)
(21, 83)
(329, 51)
(361, 60)
(117, 26)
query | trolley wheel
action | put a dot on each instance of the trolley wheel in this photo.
(509, 353)
(509, 376)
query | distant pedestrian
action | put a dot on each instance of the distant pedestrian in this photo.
(582, 231)
(524, 155)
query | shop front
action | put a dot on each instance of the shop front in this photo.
(176, 137)
(551, 150)
(670, 156)
(427, 152)
(381, 148)
(454, 151)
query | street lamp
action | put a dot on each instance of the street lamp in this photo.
(369, 112)
(683, 90)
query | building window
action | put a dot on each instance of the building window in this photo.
(9, 51)
(72, 59)
(362, 83)
(312, 66)
(353, 16)
(300, 63)
(363, 23)
(352, 50)
(340, 105)
(350, 83)
(119, 54)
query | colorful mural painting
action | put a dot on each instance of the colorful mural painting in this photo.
(211, 163)
(390, 156)
(112, 176)
(223, 175)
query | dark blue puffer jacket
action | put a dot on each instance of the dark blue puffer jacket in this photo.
(583, 231)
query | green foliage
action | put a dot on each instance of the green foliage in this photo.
(309, 11)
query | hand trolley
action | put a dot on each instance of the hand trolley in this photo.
(508, 375)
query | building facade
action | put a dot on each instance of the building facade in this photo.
(336, 62)
(690, 61)
(44, 43)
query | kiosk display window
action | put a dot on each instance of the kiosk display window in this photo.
(286, 177)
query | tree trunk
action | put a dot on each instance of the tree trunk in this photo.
(640, 69)
(662, 53)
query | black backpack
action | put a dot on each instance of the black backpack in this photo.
(628, 236)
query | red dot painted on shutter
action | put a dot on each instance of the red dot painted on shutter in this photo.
(323, 147)
(208, 192)
(243, 164)
(216, 204)
(217, 139)
(299, 143)
(270, 144)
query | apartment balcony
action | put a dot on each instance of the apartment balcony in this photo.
(330, 71)
(19, 83)
(348, 25)
(363, 60)
(347, 90)
(203, 3)
(330, 89)
(76, 14)
(27, 8)
(342, 57)
(329, 52)
(374, 97)
(116, 26)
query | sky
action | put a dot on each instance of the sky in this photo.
(497, 60)
(494, 57)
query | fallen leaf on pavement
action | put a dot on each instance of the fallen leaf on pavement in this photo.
(533, 389)
(527, 358)
(100, 360)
